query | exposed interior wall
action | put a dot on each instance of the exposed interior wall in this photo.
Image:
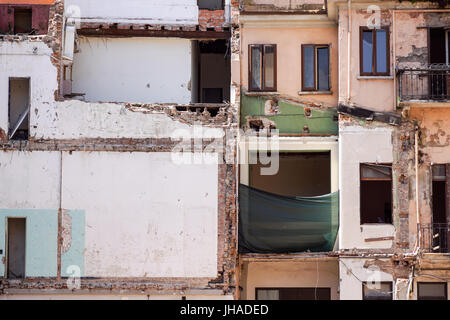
(142, 11)
(354, 270)
(169, 232)
(145, 70)
(374, 93)
(172, 225)
(289, 70)
(63, 120)
(20, 61)
(359, 144)
(300, 174)
(289, 274)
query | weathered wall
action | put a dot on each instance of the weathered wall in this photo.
(353, 271)
(140, 11)
(26, 59)
(172, 224)
(133, 70)
(359, 144)
(374, 93)
(169, 231)
(290, 274)
(63, 120)
(286, 116)
(289, 69)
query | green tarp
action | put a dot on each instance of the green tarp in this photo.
(270, 223)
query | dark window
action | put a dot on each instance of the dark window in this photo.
(315, 67)
(438, 233)
(262, 67)
(16, 248)
(19, 100)
(210, 4)
(431, 291)
(439, 81)
(376, 193)
(374, 51)
(22, 20)
(377, 291)
(293, 294)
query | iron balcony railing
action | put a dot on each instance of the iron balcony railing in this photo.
(431, 83)
(435, 237)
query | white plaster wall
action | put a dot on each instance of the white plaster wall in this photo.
(145, 216)
(136, 11)
(74, 119)
(29, 180)
(358, 145)
(18, 60)
(133, 70)
(352, 273)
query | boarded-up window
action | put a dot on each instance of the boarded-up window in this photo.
(16, 248)
(293, 294)
(376, 193)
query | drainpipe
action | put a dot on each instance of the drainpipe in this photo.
(349, 38)
(416, 147)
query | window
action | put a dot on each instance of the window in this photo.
(210, 4)
(293, 294)
(262, 67)
(377, 291)
(315, 67)
(431, 291)
(438, 233)
(376, 193)
(374, 52)
(19, 99)
(16, 248)
(22, 20)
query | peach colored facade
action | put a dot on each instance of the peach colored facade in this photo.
(289, 62)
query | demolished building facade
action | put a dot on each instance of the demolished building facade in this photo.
(350, 97)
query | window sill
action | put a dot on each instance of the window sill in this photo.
(304, 93)
(261, 93)
(375, 77)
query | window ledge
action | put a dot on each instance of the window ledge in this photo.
(302, 93)
(375, 77)
(261, 93)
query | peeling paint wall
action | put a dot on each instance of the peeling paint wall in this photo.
(133, 70)
(287, 117)
(359, 144)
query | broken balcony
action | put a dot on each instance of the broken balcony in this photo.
(425, 84)
(435, 237)
(292, 211)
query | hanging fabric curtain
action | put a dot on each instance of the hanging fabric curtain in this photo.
(270, 223)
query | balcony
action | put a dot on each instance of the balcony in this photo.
(425, 84)
(435, 237)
